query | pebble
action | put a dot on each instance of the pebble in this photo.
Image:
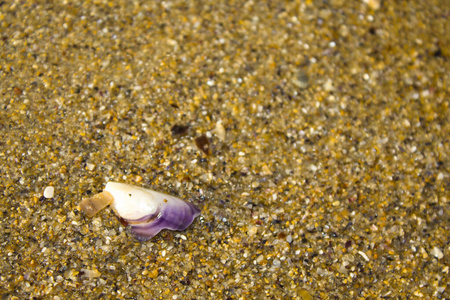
(49, 192)
(17, 91)
(436, 252)
(276, 263)
(265, 170)
(328, 85)
(220, 131)
(364, 255)
(289, 239)
(252, 231)
(202, 143)
(90, 273)
(153, 273)
(336, 203)
(305, 295)
(302, 80)
(373, 4)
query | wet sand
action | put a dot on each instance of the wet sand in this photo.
(313, 135)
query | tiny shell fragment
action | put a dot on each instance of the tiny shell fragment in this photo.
(91, 206)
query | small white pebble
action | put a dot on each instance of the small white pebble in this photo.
(90, 273)
(383, 141)
(364, 255)
(440, 176)
(425, 93)
(90, 167)
(289, 239)
(255, 184)
(436, 252)
(276, 263)
(49, 192)
(220, 131)
(252, 231)
(328, 85)
(336, 203)
(418, 294)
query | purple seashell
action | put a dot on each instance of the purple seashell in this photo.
(173, 215)
(146, 211)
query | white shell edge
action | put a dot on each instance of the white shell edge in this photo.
(132, 202)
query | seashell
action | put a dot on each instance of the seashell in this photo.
(146, 211)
